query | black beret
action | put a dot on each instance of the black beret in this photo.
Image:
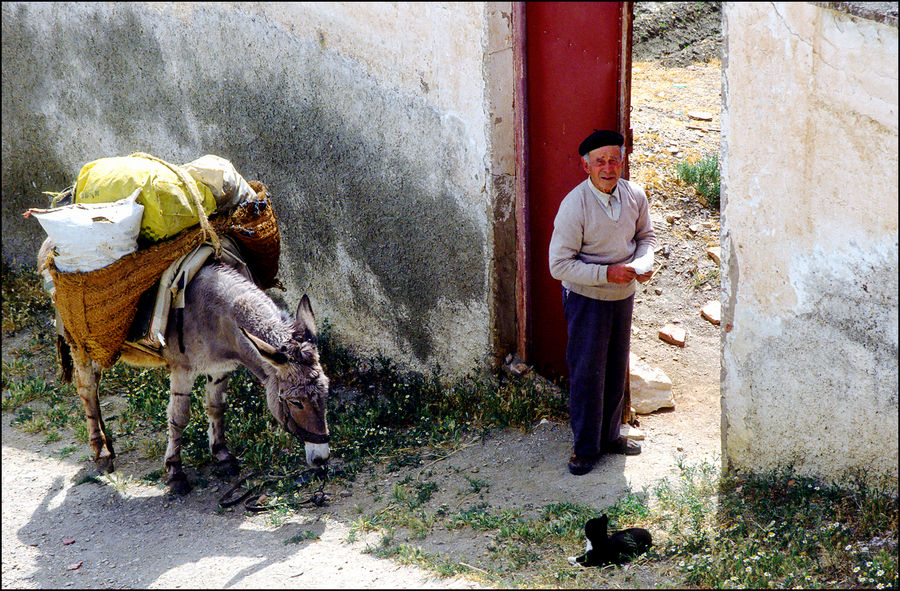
(600, 138)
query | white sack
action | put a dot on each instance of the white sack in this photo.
(227, 186)
(90, 236)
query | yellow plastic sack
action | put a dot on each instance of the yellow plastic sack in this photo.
(168, 206)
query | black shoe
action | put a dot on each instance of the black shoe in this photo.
(622, 445)
(579, 465)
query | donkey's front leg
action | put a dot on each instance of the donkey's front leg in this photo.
(215, 410)
(87, 376)
(179, 413)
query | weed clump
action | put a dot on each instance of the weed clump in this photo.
(704, 175)
(379, 410)
(745, 530)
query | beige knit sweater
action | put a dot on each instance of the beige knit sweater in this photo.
(585, 241)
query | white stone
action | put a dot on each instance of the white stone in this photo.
(630, 432)
(712, 311)
(651, 388)
(672, 334)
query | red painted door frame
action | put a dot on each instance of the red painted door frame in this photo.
(573, 75)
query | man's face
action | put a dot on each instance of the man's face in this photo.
(605, 167)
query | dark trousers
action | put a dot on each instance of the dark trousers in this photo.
(597, 356)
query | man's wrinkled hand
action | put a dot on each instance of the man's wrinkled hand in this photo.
(620, 274)
(644, 277)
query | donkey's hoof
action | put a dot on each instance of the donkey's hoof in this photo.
(105, 465)
(178, 484)
(230, 467)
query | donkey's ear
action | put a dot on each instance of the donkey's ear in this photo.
(267, 351)
(305, 322)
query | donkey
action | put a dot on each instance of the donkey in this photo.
(227, 321)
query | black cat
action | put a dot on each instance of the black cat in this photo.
(617, 548)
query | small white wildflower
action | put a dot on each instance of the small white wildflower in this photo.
(771, 534)
(856, 569)
(749, 569)
(767, 575)
(848, 547)
(880, 573)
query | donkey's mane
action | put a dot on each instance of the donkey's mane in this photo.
(226, 289)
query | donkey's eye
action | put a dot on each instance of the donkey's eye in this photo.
(296, 404)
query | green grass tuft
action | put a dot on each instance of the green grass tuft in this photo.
(704, 175)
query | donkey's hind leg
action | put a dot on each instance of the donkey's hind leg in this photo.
(88, 383)
(215, 411)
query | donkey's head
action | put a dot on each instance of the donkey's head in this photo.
(296, 386)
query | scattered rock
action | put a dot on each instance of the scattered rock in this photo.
(673, 335)
(694, 228)
(651, 388)
(514, 366)
(658, 291)
(630, 432)
(671, 217)
(712, 311)
(715, 253)
(700, 115)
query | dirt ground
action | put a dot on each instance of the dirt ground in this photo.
(124, 533)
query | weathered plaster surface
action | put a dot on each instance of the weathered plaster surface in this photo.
(809, 237)
(370, 124)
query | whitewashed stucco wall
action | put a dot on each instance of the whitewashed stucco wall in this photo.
(809, 241)
(434, 52)
(373, 125)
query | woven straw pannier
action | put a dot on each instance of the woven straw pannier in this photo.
(98, 307)
(254, 227)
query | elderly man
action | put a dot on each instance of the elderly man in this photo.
(602, 242)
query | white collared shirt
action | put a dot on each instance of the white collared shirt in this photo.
(609, 202)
